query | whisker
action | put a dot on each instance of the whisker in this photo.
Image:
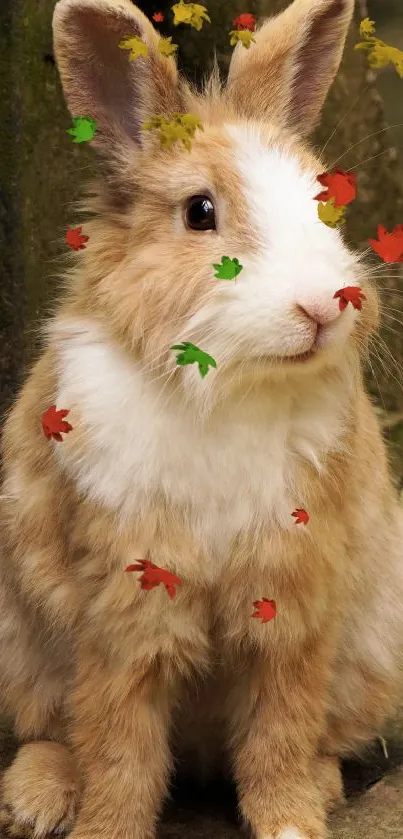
(364, 90)
(367, 159)
(368, 137)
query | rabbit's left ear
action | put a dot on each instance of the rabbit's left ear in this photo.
(286, 74)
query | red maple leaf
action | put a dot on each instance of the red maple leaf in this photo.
(152, 576)
(390, 245)
(158, 17)
(266, 609)
(301, 516)
(75, 239)
(245, 21)
(53, 423)
(350, 294)
(340, 185)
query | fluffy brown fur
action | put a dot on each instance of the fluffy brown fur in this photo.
(106, 682)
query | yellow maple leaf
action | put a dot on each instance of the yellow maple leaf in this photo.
(242, 35)
(380, 54)
(367, 27)
(190, 122)
(330, 215)
(191, 13)
(178, 129)
(165, 46)
(136, 46)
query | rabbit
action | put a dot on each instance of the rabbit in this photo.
(112, 681)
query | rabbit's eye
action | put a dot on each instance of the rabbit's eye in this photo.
(199, 213)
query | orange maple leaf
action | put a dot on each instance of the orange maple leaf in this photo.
(340, 185)
(266, 609)
(158, 17)
(390, 245)
(301, 516)
(153, 575)
(75, 239)
(54, 424)
(350, 294)
(245, 21)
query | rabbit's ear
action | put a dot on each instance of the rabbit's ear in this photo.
(100, 81)
(285, 76)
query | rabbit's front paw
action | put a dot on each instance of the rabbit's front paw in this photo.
(294, 833)
(39, 792)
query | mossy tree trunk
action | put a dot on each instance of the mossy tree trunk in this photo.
(41, 170)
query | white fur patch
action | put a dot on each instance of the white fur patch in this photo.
(236, 466)
(299, 261)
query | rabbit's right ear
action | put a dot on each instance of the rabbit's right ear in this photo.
(100, 81)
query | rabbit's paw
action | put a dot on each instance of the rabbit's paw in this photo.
(39, 792)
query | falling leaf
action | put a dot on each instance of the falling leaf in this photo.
(228, 268)
(54, 424)
(390, 245)
(367, 27)
(152, 576)
(180, 128)
(190, 354)
(75, 239)
(138, 48)
(245, 21)
(165, 46)
(83, 130)
(340, 185)
(191, 13)
(242, 35)
(301, 516)
(380, 54)
(350, 294)
(330, 215)
(266, 609)
(158, 17)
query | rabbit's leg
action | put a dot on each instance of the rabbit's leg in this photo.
(367, 673)
(39, 791)
(328, 777)
(277, 713)
(120, 736)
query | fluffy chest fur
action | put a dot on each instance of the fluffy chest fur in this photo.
(243, 465)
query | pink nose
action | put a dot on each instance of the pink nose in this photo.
(321, 312)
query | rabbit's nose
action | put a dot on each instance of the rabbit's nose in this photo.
(319, 311)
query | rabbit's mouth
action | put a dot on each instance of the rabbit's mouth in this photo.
(301, 357)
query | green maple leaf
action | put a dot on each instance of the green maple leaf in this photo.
(228, 268)
(165, 46)
(190, 354)
(331, 215)
(243, 35)
(83, 130)
(136, 46)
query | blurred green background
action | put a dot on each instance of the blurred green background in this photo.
(41, 171)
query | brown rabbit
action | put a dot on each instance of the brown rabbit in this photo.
(108, 680)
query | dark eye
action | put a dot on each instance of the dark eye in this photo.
(199, 213)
